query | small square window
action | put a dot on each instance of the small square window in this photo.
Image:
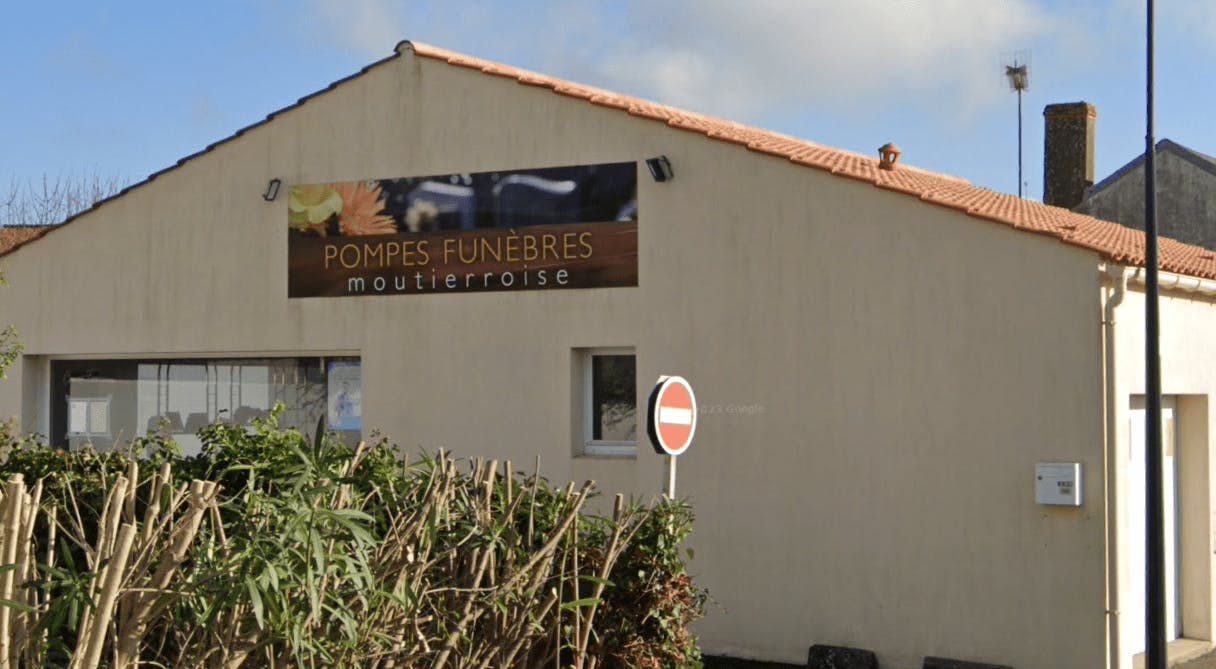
(609, 402)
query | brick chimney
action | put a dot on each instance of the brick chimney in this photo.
(1068, 152)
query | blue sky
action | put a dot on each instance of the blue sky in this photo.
(125, 88)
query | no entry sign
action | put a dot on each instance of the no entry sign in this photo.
(671, 417)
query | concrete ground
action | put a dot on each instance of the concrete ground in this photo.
(1186, 654)
(712, 662)
(1200, 655)
(1206, 661)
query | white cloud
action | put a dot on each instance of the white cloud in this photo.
(366, 26)
(741, 59)
(1199, 16)
(726, 57)
(766, 61)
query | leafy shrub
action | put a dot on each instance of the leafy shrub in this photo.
(273, 549)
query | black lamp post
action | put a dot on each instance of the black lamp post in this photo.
(1154, 504)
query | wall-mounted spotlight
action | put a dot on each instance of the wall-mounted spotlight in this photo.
(660, 168)
(272, 190)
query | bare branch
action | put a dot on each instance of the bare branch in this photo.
(50, 201)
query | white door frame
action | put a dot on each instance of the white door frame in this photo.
(1132, 519)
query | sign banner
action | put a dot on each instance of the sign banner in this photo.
(538, 229)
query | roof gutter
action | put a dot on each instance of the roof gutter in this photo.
(1178, 282)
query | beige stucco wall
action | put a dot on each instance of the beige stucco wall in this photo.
(1188, 345)
(908, 365)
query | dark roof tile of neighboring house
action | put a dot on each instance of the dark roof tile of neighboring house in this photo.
(1115, 242)
(1201, 160)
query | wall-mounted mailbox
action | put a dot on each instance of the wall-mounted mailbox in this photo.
(1057, 483)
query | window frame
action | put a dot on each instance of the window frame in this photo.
(602, 448)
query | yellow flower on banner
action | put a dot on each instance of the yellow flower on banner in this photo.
(310, 206)
(422, 215)
(362, 210)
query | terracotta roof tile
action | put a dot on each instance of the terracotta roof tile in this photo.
(12, 236)
(1113, 241)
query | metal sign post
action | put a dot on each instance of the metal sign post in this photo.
(671, 477)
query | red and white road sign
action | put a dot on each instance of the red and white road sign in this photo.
(671, 416)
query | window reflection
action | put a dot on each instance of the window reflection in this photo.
(180, 397)
(613, 383)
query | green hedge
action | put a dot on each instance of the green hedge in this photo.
(275, 549)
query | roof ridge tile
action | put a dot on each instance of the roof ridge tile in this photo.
(1108, 239)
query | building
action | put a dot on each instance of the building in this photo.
(1186, 195)
(1186, 180)
(883, 356)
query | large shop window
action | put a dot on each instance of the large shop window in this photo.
(107, 403)
(609, 401)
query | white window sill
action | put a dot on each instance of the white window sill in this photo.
(616, 450)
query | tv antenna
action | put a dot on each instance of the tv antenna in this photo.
(1017, 72)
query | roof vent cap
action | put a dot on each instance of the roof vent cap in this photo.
(888, 155)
